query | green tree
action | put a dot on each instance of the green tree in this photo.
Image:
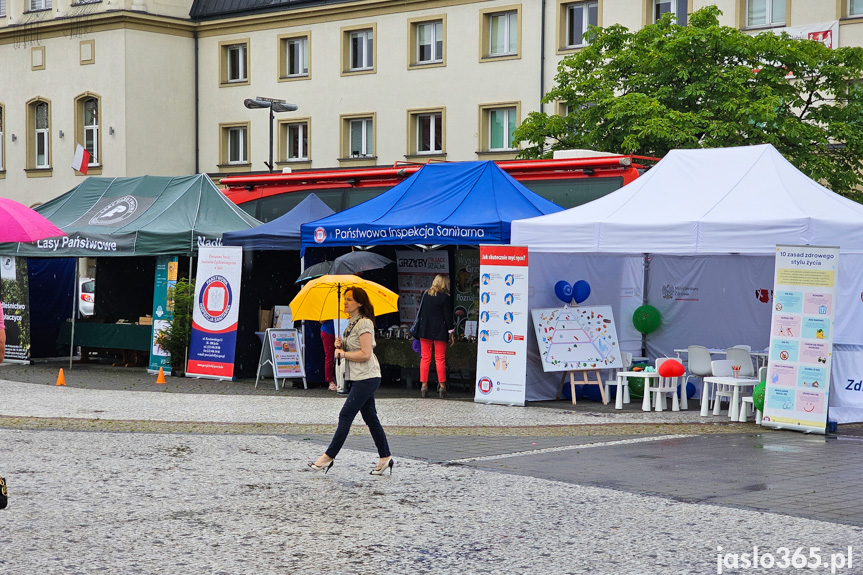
(175, 338)
(703, 86)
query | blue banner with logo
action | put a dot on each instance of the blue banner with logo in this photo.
(216, 313)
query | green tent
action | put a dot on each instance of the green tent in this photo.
(144, 216)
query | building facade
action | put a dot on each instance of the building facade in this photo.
(161, 87)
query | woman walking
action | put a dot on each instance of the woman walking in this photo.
(363, 375)
(434, 328)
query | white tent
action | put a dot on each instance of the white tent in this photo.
(710, 221)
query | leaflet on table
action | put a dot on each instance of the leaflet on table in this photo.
(501, 360)
(801, 338)
(416, 272)
(216, 311)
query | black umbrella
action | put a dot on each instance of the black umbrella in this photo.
(348, 264)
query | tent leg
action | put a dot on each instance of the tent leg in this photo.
(74, 316)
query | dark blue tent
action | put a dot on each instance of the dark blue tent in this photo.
(283, 233)
(443, 203)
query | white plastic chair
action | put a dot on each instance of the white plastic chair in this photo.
(748, 402)
(742, 346)
(722, 368)
(741, 357)
(699, 366)
(626, 359)
(661, 386)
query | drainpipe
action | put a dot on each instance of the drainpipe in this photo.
(197, 143)
(542, 58)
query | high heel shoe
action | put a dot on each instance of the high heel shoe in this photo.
(441, 391)
(380, 471)
(325, 468)
(424, 390)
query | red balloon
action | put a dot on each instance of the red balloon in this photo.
(671, 368)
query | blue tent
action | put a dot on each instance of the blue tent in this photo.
(443, 203)
(283, 233)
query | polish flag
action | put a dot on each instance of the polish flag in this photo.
(82, 159)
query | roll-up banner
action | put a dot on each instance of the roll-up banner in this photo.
(166, 279)
(216, 312)
(15, 295)
(801, 338)
(501, 357)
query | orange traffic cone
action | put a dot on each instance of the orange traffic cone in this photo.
(60, 379)
(161, 378)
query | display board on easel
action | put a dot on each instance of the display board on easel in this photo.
(579, 341)
(281, 357)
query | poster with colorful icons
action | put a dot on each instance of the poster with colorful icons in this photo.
(801, 338)
(577, 338)
(501, 357)
(215, 313)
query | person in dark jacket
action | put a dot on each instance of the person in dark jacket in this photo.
(434, 329)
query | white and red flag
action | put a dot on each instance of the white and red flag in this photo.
(82, 159)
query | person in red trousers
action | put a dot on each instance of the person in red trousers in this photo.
(434, 329)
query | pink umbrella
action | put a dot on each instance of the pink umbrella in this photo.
(18, 223)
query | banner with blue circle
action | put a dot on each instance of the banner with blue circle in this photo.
(216, 313)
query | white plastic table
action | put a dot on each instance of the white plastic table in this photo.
(736, 383)
(621, 381)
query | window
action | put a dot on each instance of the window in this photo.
(855, 7)
(40, 5)
(497, 124)
(429, 133)
(358, 138)
(234, 146)
(361, 138)
(765, 13)
(358, 50)
(237, 145)
(234, 68)
(676, 7)
(1, 140)
(503, 34)
(2, 7)
(429, 42)
(88, 120)
(297, 141)
(578, 17)
(41, 134)
(294, 56)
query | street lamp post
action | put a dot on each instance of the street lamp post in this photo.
(275, 106)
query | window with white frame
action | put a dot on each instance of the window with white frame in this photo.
(297, 145)
(429, 130)
(429, 36)
(41, 135)
(503, 34)
(40, 5)
(2, 7)
(501, 125)
(91, 130)
(297, 57)
(237, 153)
(361, 138)
(855, 7)
(765, 13)
(361, 46)
(235, 63)
(676, 7)
(579, 17)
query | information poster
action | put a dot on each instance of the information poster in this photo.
(466, 292)
(577, 338)
(166, 279)
(15, 295)
(215, 314)
(416, 272)
(801, 338)
(285, 351)
(501, 357)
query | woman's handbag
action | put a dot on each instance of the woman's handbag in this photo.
(415, 324)
(3, 492)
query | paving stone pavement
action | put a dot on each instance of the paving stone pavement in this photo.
(107, 502)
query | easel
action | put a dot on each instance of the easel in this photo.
(267, 361)
(586, 379)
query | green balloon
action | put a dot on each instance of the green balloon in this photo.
(646, 319)
(636, 384)
(758, 396)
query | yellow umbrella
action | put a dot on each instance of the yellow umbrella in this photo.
(321, 298)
